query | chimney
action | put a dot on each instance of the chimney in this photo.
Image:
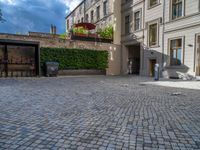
(54, 29)
(51, 29)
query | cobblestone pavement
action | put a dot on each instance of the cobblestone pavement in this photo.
(97, 112)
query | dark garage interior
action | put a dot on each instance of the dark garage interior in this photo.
(19, 58)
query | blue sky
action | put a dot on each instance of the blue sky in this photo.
(35, 15)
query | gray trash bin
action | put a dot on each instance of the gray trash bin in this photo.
(156, 72)
(51, 68)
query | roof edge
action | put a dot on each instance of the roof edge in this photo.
(74, 9)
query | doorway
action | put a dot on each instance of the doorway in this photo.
(134, 59)
(18, 59)
(152, 63)
(198, 57)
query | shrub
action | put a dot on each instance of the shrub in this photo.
(63, 36)
(80, 30)
(75, 58)
(106, 33)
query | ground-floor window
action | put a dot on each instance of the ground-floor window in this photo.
(176, 52)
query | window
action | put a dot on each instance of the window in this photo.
(67, 24)
(177, 9)
(92, 16)
(152, 3)
(80, 10)
(105, 8)
(98, 12)
(137, 20)
(175, 52)
(153, 34)
(82, 19)
(86, 18)
(127, 24)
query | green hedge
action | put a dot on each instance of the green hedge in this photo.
(75, 58)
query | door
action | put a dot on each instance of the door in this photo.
(152, 63)
(198, 57)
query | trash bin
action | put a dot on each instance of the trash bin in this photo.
(156, 72)
(51, 68)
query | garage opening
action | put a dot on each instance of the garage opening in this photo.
(134, 59)
(19, 58)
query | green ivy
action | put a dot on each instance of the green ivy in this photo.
(75, 58)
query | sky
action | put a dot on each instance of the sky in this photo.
(35, 15)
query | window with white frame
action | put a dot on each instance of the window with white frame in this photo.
(152, 3)
(137, 20)
(153, 34)
(177, 9)
(176, 52)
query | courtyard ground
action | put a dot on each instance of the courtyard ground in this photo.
(97, 112)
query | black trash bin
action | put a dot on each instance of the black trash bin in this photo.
(51, 68)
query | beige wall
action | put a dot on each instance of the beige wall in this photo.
(114, 65)
(187, 27)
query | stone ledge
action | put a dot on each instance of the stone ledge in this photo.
(81, 72)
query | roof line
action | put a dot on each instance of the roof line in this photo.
(74, 9)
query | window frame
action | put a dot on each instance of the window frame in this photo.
(171, 10)
(140, 25)
(105, 7)
(158, 26)
(67, 24)
(182, 50)
(92, 16)
(98, 9)
(127, 24)
(87, 18)
(197, 35)
(149, 2)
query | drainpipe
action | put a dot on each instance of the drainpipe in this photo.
(143, 22)
(163, 37)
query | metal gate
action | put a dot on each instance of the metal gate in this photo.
(18, 59)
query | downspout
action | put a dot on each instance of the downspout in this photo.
(163, 37)
(143, 47)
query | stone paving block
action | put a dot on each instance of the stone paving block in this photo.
(96, 112)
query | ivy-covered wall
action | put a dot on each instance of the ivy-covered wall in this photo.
(75, 58)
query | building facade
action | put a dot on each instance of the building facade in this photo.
(166, 32)
(102, 13)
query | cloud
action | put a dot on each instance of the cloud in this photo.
(9, 2)
(35, 15)
(71, 4)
